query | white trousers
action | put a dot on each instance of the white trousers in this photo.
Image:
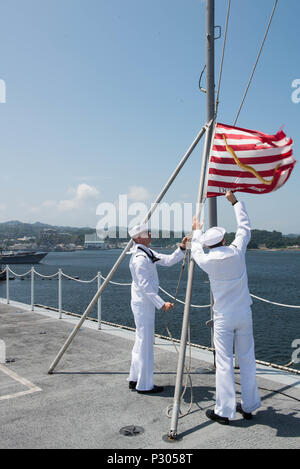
(227, 331)
(142, 361)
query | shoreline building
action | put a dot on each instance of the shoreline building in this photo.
(92, 241)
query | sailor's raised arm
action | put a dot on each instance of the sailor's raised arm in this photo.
(166, 260)
(243, 233)
(197, 252)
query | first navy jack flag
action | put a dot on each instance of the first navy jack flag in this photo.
(248, 161)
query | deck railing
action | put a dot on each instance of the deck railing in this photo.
(99, 277)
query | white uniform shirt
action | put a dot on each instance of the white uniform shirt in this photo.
(226, 267)
(145, 281)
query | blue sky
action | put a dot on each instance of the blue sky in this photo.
(102, 99)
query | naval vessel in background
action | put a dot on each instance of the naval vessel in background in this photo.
(24, 257)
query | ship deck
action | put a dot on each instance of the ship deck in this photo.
(86, 402)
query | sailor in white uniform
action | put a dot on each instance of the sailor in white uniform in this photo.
(144, 300)
(226, 268)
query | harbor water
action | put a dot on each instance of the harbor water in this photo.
(273, 275)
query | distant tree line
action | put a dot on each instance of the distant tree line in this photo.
(269, 239)
(259, 239)
(16, 229)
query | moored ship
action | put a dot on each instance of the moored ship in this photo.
(21, 257)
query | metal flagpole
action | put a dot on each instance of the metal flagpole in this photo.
(210, 7)
(210, 112)
(120, 259)
(172, 435)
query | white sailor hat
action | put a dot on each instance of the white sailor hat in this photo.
(213, 236)
(137, 230)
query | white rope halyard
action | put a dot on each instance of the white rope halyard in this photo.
(18, 275)
(77, 279)
(45, 276)
(182, 302)
(117, 283)
(274, 303)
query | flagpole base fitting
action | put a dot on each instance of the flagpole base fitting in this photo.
(171, 437)
(131, 430)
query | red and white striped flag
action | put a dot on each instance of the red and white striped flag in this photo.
(248, 161)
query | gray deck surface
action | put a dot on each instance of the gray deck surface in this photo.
(86, 401)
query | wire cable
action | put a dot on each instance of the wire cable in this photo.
(256, 62)
(222, 59)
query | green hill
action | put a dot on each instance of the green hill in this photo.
(259, 239)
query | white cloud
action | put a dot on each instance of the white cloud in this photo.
(2, 206)
(138, 194)
(49, 203)
(82, 194)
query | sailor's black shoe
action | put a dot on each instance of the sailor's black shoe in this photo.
(132, 384)
(154, 390)
(217, 418)
(246, 415)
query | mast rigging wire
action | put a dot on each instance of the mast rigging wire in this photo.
(256, 62)
(222, 59)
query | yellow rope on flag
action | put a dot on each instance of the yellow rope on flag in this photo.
(249, 168)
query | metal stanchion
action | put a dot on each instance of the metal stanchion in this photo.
(7, 284)
(59, 293)
(99, 305)
(32, 288)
